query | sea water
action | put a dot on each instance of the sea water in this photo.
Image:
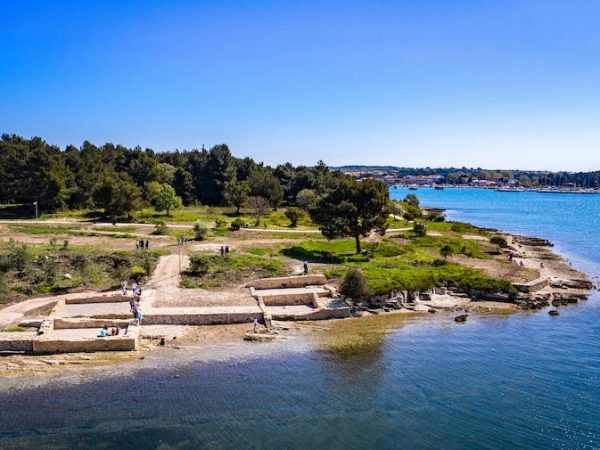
(527, 380)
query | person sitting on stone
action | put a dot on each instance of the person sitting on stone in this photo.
(103, 331)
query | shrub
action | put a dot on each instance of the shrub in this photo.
(499, 241)
(293, 214)
(408, 217)
(200, 230)
(199, 264)
(355, 286)
(446, 251)
(137, 273)
(420, 229)
(220, 223)
(160, 228)
(237, 224)
(436, 218)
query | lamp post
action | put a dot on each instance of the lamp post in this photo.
(36, 209)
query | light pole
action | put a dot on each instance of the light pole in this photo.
(36, 209)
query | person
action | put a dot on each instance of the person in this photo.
(305, 267)
(137, 245)
(132, 305)
(138, 314)
(510, 257)
(227, 250)
(541, 265)
(103, 331)
(116, 331)
(147, 244)
(124, 287)
(134, 287)
(521, 264)
(255, 324)
(222, 250)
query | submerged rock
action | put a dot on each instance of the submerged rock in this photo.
(553, 312)
(461, 318)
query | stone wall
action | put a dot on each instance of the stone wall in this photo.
(284, 299)
(532, 286)
(21, 341)
(201, 319)
(99, 299)
(288, 282)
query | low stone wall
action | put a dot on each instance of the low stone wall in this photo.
(21, 341)
(99, 299)
(47, 343)
(532, 286)
(289, 282)
(202, 319)
(302, 298)
(69, 324)
(320, 314)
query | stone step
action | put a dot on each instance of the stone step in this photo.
(289, 282)
(291, 296)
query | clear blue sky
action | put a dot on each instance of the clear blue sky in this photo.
(510, 84)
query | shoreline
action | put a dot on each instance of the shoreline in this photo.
(564, 285)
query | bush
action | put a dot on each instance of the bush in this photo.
(355, 286)
(200, 230)
(137, 273)
(408, 217)
(160, 229)
(420, 229)
(293, 214)
(199, 264)
(499, 241)
(436, 218)
(237, 224)
(446, 251)
(220, 223)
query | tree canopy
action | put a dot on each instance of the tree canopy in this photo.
(352, 208)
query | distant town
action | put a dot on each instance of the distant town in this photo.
(502, 180)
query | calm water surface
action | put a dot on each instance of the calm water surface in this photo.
(521, 381)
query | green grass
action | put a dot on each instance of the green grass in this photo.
(410, 263)
(71, 230)
(234, 268)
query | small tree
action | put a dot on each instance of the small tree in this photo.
(499, 241)
(354, 286)
(446, 251)
(236, 194)
(412, 200)
(164, 197)
(259, 205)
(200, 230)
(199, 264)
(306, 199)
(420, 229)
(293, 214)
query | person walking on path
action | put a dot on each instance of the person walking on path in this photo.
(147, 245)
(255, 324)
(305, 267)
(124, 287)
(227, 250)
(222, 251)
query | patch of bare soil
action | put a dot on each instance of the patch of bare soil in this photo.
(500, 268)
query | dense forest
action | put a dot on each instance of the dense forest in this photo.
(120, 179)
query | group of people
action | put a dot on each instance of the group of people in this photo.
(134, 303)
(141, 245)
(114, 331)
(224, 250)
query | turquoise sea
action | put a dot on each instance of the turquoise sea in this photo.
(526, 380)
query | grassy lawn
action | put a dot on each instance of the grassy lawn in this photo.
(217, 271)
(70, 230)
(406, 262)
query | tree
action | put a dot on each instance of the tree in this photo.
(293, 214)
(420, 229)
(412, 199)
(352, 208)
(259, 205)
(163, 197)
(184, 186)
(354, 285)
(236, 193)
(306, 199)
(264, 184)
(119, 197)
(446, 251)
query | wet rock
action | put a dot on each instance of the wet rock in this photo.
(431, 310)
(553, 312)
(461, 318)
